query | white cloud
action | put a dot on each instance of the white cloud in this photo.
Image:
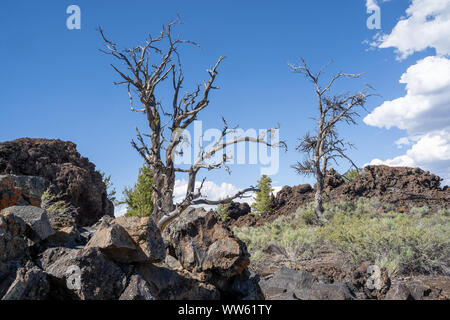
(431, 152)
(212, 191)
(426, 105)
(402, 141)
(424, 111)
(120, 210)
(427, 25)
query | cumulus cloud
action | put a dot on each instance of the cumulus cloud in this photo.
(426, 105)
(431, 152)
(424, 111)
(120, 210)
(426, 25)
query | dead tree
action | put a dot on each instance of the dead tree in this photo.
(325, 145)
(143, 69)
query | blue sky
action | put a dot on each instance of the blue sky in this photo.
(56, 84)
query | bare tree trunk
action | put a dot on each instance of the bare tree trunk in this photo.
(325, 145)
(145, 67)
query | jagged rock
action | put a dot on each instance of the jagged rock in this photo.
(8, 271)
(35, 218)
(246, 287)
(301, 285)
(407, 291)
(31, 283)
(145, 235)
(203, 245)
(13, 237)
(286, 280)
(138, 289)
(67, 236)
(89, 274)
(333, 180)
(114, 241)
(52, 255)
(399, 291)
(402, 186)
(173, 285)
(72, 178)
(172, 263)
(238, 209)
(325, 291)
(21, 190)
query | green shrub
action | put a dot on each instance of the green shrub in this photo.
(352, 174)
(420, 211)
(222, 211)
(361, 230)
(49, 203)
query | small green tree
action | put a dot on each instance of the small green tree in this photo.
(222, 211)
(263, 201)
(139, 198)
(352, 174)
(110, 190)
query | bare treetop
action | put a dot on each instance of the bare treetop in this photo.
(325, 145)
(143, 68)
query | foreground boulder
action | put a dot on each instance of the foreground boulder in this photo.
(288, 284)
(138, 289)
(128, 240)
(88, 274)
(203, 245)
(14, 242)
(35, 218)
(169, 284)
(146, 236)
(71, 178)
(116, 243)
(31, 283)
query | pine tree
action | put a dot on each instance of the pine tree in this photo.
(263, 201)
(110, 190)
(139, 198)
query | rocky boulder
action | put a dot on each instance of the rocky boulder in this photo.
(138, 289)
(146, 236)
(168, 284)
(87, 274)
(31, 283)
(71, 178)
(116, 243)
(237, 209)
(288, 284)
(14, 241)
(36, 218)
(21, 190)
(402, 186)
(128, 240)
(203, 245)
